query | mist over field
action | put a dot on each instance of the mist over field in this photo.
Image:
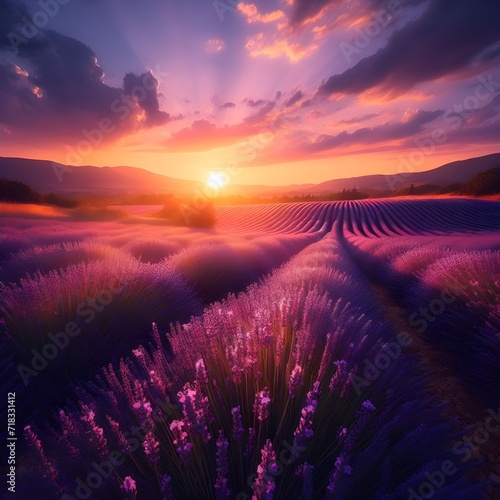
(344, 350)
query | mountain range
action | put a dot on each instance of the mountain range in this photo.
(50, 177)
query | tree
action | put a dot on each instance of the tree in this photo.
(484, 183)
(18, 192)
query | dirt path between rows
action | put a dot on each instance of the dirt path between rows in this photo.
(443, 384)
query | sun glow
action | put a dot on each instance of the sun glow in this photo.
(216, 180)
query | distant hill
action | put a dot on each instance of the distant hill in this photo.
(451, 173)
(51, 177)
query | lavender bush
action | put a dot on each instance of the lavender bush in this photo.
(259, 398)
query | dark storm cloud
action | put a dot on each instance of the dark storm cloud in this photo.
(59, 77)
(307, 9)
(443, 40)
(490, 54)
(375, 135)
(294, 99)
(17, 99)
(145, 89)
(11, 15)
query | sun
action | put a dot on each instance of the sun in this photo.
(216, 180)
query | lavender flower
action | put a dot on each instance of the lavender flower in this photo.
(304, 430)
(183, 446)
(261, 404)
(94, 433)
(221, 489)
(44, 464)
(151, 448)
(264, 485)
(144, 413)
(296, 380)
(119, 436)
(313, 395)
(194, 407)
(201, 371)
(342, 434)
(251, 443)
(238, 429)
(305, 472)
(340, 376)
(129, 489)
(166, 488)
(338, 471)
(363, 415)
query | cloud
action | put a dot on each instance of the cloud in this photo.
(214, 45)
(254, 104)
(260, 115)
(224, 105)
(490, 54)
(360, 119)
(409, 127)
(203, 135)
(442, 41)
(294, 99)
(250, 11)
(344, 13)
(469, 120)
(145, 90)
(57, 89)
(257, 46)
(306, 10)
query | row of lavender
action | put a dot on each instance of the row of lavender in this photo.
(266, 395)
(97, 287)
(449, 286)
(461, 294)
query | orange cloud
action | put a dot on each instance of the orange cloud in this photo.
(257, 46)
(253, 16)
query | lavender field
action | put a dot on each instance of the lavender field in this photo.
(341, 350)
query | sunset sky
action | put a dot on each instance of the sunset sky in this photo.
(291, 91)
